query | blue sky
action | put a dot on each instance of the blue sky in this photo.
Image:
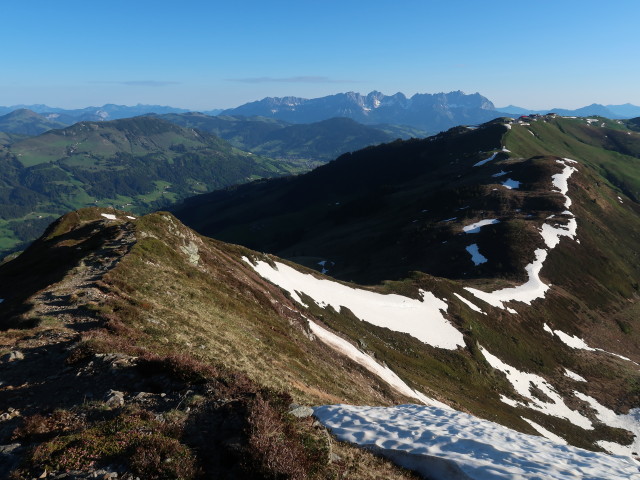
(216, 54)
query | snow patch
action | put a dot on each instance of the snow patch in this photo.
(109, 216)
(573, 375)
(476, 257)
(422, 319)
(499, 174)
(472, 306)
(475, 227)
(449, 445)
(526, 293)
(482, 162)
(510, 183)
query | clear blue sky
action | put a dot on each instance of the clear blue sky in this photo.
(213, 54)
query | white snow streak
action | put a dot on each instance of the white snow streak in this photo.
(475, 227)
(574, 376)
(482, 162)
(545, 433)
(472, 306)
(384, 372)
(526, 293)
(109, 216)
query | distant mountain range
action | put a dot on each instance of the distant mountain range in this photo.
(420, 115)
(609, 111)
(432, 112)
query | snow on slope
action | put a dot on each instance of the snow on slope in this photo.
(630, 422)
(475, 227)
(476, 257)
(521, 381)
(534, 287)
(444, 444)
(383, 372)
(482, 162)
(422, 319)
(526, 293)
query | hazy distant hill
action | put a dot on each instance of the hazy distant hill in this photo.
(431, 112)
(317, 142)
(609, 111)
(105, 112)
(26, 122)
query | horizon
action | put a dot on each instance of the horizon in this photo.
(498, 107)
(205, 56)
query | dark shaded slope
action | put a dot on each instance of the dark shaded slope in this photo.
(369, 196)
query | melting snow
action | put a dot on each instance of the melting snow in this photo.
(476, 257)
(450, 219)
(109, 216)
(569, 340)
(522, 383)
(510, 183)
(499, 174)
(131, 218)
(475, 227)
(482, 162)
(526, 293)
(384, 372)
(545, 433)
(535, 287)
(630, 422)
(422, 319)
(445, 444)
(472, 306)
(551, 234)
(574, 376)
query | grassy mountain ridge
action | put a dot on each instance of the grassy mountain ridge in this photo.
(203, 359)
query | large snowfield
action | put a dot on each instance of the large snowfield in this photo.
(444, 444)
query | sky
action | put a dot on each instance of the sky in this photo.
(203, 55)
